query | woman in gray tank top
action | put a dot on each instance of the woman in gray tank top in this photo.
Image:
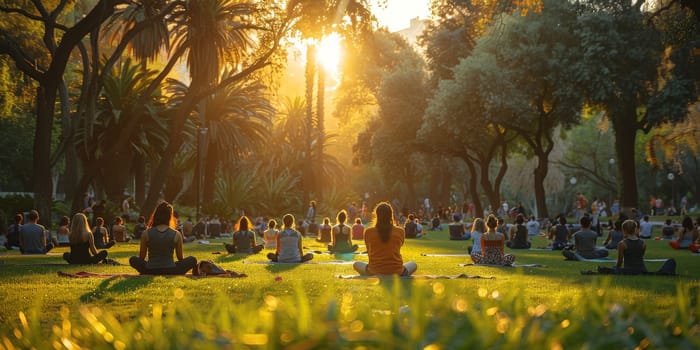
(289, 244)
(159, 242)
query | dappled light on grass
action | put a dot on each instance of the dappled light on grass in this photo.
(436, 315)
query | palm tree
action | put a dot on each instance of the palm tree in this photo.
(318, 18)
(237, 119)
(118, 106)
(211, 32)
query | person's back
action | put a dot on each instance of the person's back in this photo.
(288, 246)
(634, 256)
(324, 233)
(585, 241)
(533, 227)
(342, 239)
(33, 238)
(411, 229)
(456, 231)
(270, 238)
(358, 230)
(616, 237)
(645, 228)
(668, 231)
(80, 251)
(519, 240)
(384, 257)
(244, 241)
(161, 245)
(561, 237)
(214, 228)
(492, 248)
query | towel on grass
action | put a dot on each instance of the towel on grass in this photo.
(460, 276)
(494, 265)
(84, 274)
(331, 262)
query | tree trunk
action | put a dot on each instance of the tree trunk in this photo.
(540, 173)
(139, 167)
(175, 141)
(210, 166)
(308, 174)
(473, 189)
(69, 154)
(320, 126)
(43, 188)
(625, 139)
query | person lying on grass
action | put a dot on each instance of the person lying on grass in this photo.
(158, 243)
(384, 241)
(82, 243)
(492, 246)
(341, 241)
(289, 248)
(243, 239)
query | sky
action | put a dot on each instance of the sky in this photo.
(398, 13)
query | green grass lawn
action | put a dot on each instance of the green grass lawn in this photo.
(305, 306)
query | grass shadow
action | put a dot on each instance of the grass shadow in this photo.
(281, 267)
(115, 285)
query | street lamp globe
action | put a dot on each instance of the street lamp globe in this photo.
(670, 176)
(573, 180)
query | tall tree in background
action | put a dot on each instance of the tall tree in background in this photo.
(621, 72)
(60, 40)
(215, 33)
(535, 52)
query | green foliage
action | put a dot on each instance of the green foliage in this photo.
(16, 136)
(11, 205)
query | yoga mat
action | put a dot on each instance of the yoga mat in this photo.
(332, 262)
(361, 277)
(458, 254)
(84, 274)
(514, 265)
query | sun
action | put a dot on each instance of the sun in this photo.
(329, 53)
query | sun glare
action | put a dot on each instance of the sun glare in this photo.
(328, 54)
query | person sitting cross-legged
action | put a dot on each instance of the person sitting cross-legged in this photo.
(518, 234)
(341, 241)
(384, 241)
(457, 230)
(289, 249)
(244, 239)
(158, 243)
(82, 243)
(492, 246)
(585, 243)
(33, 237)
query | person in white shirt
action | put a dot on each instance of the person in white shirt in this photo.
(645, 227)
(533, 227)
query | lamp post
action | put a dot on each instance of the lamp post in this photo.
(671, 177)
(611, 162)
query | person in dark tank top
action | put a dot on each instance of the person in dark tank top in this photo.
(158, 243)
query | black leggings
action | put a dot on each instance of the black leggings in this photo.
(95, 259)
(181, 267)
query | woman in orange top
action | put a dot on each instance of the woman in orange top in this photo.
(384, 241)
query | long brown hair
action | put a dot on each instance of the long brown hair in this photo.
(163, 215)
(384, 220)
